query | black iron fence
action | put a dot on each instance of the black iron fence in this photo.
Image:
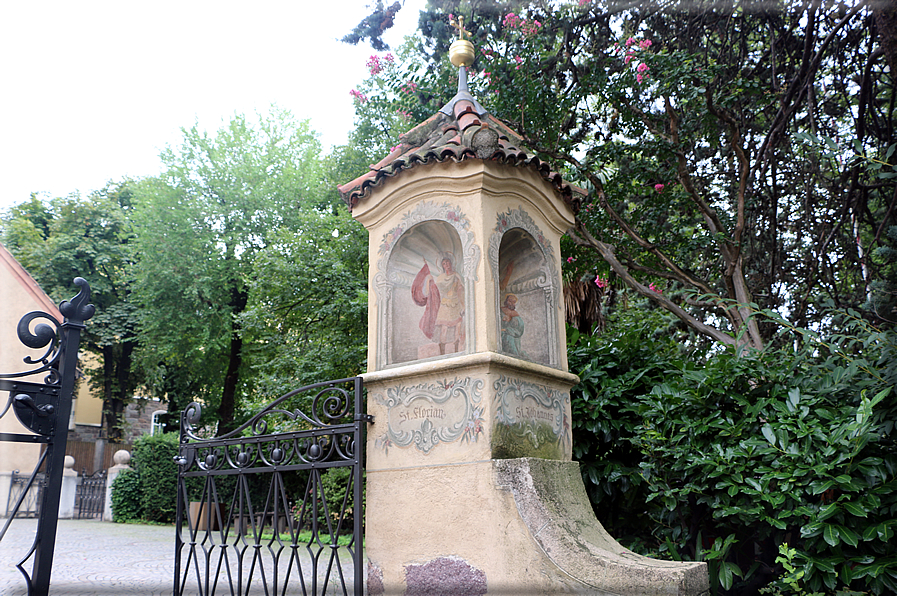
(90, 496)
(276, 505)
(26, 493)
(44, 409)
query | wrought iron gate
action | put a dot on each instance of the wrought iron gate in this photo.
(45, 408)
(90, 495)
(264, 511)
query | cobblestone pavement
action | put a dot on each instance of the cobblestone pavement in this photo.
(96, 558)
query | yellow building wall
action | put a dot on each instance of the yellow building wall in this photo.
(88, 407)
(19, 295)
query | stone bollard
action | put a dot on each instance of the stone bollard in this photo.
(121, 458)
(69, 487)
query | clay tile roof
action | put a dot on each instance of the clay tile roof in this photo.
(460, 130)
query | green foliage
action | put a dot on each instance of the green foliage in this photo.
(689, 127)
(153, 459)
(726, 456)
(92, 238)
(374, 25)
(127, 497)
(635, 352)
(201, 225)
(306, 319)
(331, 485)
(400, 92)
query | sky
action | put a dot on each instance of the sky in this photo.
(92, 91)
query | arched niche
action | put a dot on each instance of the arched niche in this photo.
(425, 287)
(528, 290)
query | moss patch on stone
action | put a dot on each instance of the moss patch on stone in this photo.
(525, 440)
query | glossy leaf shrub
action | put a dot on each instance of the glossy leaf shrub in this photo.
(725, 456)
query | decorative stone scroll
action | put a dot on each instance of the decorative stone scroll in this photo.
(428, 414)
(530, 419)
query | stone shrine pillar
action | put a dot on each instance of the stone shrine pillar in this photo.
(470, 487)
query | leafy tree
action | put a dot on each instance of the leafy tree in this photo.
(88, 237)
(307, 315)
(201, 226)
(374, 26)
(740, 162)
(726, 168)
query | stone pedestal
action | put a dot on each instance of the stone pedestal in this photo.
(69, 487)
(121, 458)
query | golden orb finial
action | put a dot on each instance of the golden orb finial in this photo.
(461, 51)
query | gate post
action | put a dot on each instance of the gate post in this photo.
(121, 458)
(68, 490)
(45, 409)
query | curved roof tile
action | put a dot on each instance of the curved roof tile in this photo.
(461, 130)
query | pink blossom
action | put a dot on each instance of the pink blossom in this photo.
(530, 28)
(658, 187)
(395, 147)
(639, 78)
(644, 44)
(630, 41)
(390, 58)
(358, 95)
(642, 67)
(628, 58)
(373, 64)
(655, 289)
(510, 20)
(584, 2)
(570, 259)
(601, 283)
(409, 87)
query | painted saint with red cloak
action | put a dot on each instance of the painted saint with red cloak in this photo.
(443, 298)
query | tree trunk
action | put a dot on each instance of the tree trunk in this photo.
(116, 387)
(112, 405)
(235, 361)
(886, 22)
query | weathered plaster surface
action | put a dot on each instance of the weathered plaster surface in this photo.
(524, 523)
(552, 502)
(467, 408)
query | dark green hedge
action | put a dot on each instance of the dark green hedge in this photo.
(153, 460)
(725, 457)
(126, 497)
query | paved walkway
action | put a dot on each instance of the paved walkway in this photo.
(96, 558)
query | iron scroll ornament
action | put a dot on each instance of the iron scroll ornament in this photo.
(76, 311)
(332, 407)
(35, 404)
